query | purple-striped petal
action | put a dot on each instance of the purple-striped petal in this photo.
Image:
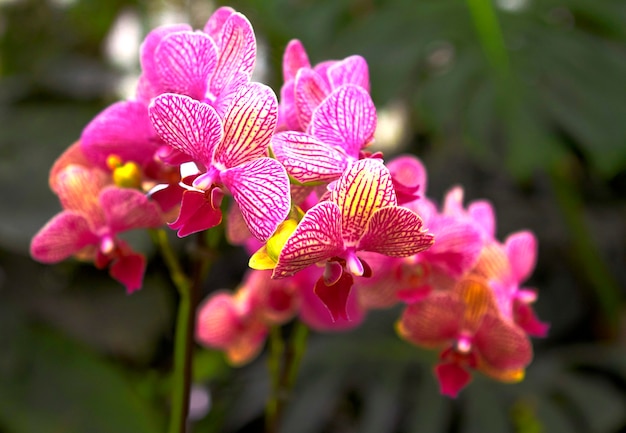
(122, 129)
(184, 62)
(261, 189)
(396, 232)
(287, 114)
(237, 52)
(215, 23)
(351, 70)
(310, 89)
(187, 125)
(64, 235)
(307, 159)
(521, 249)
(294, 58)
(364, 188)
(347, 119)
(148, 47)
(317, 238)
(128, 209)
(230, 91)
(248, 126)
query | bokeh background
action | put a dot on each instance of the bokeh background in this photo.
(523, 102)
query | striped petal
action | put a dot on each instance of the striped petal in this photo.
(187, 125)
(237, 52)
(363, 189)
(64, 235)
(295, 57)
(215, 23)
(78, 189)
(351, 70)
(347, 119)
(128, 209)
(395, 232)
(307, 159)
(317, 238)
(261, 189)
(310, 89)
(248, 125)
(503, 345)
(185, 61)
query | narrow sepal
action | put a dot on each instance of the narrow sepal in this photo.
(335, 296)
(310, 89)
(363, 188)
(261, 189)
(215, 23)
(395, 232)
(294, 58)
(307, 159)
(521, 249)
(351, 70)
(346, 118)
(187, 125)
(317, 238)
(185, 61)
(248, 125)
(64, 235)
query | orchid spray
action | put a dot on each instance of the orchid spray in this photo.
(332, 229)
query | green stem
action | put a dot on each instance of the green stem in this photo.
(283, 363)
(185, 324)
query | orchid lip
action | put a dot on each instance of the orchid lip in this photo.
(353, 264)
(206, 180)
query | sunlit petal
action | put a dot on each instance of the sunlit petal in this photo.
(64, 235)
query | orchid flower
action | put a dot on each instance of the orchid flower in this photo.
(95, 212)
(232, 152)
(361, 215)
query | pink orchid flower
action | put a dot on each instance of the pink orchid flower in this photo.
(361, 215)
(232, 154)
(95, 212)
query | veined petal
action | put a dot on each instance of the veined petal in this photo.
(237, 52)
(310, 89)
(503, 345)
(351, 70)
(396, 232)
(78, 189)
(128, 209)
(306, 158)
(122, 129)
(73, 155)
(346, 118)
(248, 125)
(364, 187)
(521, 249)
(230, 90)
(64, 235)
(187, 125)
(215, 23)
(317, 238)
(261, 189)
(287, 113)
(294, 58)
(185, 61)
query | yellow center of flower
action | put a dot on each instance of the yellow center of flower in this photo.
(125, 175)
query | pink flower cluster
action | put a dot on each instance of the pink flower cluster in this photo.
(333, 231)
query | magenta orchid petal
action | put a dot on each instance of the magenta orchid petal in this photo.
(187, 125)
(129, 270)
(365, 187)
(346, 119)
(287, 115)
(248, 126)
(307, 159)
(502, 344)
(433, 321)
(395, 232)
(64, 235)
(525, 318)
(294, 58)
(148, 48)
(237, 52)
(521, 249)
(261, 189)
(483, 214)
(310, 89)
(184, 62)
(335, 296)
(409, 177)
(233, 86)
(78, 189)
(215, 23)
(458, 245)
(122, 129)
(351, 70)
(128, 209)
(452, 378)
(198, 212)
(317, 238)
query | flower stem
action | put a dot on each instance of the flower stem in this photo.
(185, 323)
(283, 363)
